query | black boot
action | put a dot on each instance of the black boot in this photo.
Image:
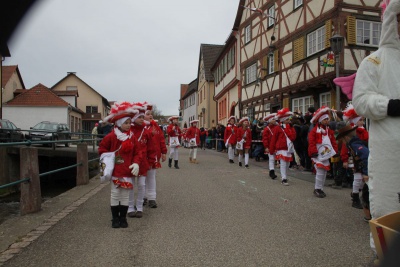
(272, 174)
(176, 165)
(115, 216)
(122, 216)
(169, 163)
(356, 201)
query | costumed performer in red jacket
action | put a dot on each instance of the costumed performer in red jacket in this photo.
(127, 160)
(193, 138)
(321, 147)
(144, 138)
(243, 141)
(174, 133)
(282, 142)
(158, 142)
(266, 138)
(230, 138)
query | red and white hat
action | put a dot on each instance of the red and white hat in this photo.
(244, 119)
(350, 115)
(193, 121)
(321, 114)
(284, 114)
(232, 117)
(170, 119)
(270, 117)
(140, 107)
(121, 110)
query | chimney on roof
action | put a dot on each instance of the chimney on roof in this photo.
(71, 72)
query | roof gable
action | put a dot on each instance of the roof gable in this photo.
(38, 96)
(210, 53)
(7, 72)
(191, 89)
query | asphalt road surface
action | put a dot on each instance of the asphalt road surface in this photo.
(212, 214)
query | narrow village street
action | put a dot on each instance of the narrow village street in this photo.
(210, 214)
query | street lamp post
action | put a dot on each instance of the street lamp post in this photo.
(337, 43)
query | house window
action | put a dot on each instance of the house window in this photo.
(250, 113)
(297, 3)
(271, 14)
(368, 32)
(267, 107)
(72, 88)
(325, 99)
(316, 41)
(247, 34)
(251, 73)
(271, 63)
(302, 104)
(91, 109)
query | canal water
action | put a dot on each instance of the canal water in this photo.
(9, 204)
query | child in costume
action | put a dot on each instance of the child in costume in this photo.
(193, 138)
(243, 141)
(360, 152)
(174, 133)
(230, 138)
(353, 119)
(127, 159)
(144, 139)
(266, 138)
(282, 142)
(321, 147)
(158, 142)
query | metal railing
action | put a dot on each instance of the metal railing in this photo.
(30, 176)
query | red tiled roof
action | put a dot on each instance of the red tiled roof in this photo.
(37, 96)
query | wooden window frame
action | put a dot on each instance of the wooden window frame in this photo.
(297, 3)
(325, 103)
(247, 34)
(319, 40)
(371, 32)
(271, 18)
(304, 107)
(250, 72)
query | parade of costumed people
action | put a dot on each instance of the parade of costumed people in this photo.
(321, 147)
(193, 139)
(122, 144)
(282, 142)
(347, 156)
(144, 139)
(174, 133)
(270, 119)
(158, 142)
(230, 138)
(243, 141)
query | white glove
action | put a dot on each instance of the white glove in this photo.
(135, 169)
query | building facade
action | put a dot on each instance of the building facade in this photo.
(285, 51)
(189, 105)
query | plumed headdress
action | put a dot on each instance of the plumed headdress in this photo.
(322, 111)
(284, 114)
(120, 110)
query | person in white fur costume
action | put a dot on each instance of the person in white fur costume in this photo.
(376, 95)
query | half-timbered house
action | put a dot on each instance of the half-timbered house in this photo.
(285, 55)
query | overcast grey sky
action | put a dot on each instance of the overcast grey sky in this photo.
(124, 49)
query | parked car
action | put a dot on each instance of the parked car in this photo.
(9, 132)
(50, 131)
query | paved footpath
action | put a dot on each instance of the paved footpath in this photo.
(210, 214)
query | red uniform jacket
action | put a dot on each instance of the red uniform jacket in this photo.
(267, 136)
(157, 139)
(230, 132)
(174, 132)
(239, 136)
(193, 132)
(313, 138)
(144, 138)
(130, 153)
(278, 141)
